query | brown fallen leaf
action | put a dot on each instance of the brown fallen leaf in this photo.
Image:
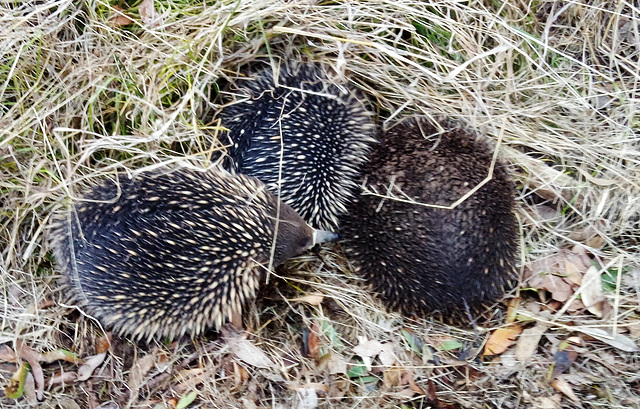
(368, 350)
(60, 355)
(240, 376)
(311, 299)
(591, 291)
(30, 390)
(563, 386)
(7, 354)
(501, 339)
(103, 343)
(528, 341)
(312, 344)
(333, 363)
(244, 349)
(408, 377)
(147, 12)
(63, 377)
(90, 365)
(119, 18)
(15, 388)
(392, 377)
(139, 369)
(34, 359)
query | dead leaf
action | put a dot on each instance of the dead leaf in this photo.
(147, 12)
(619, 341)
(311, 299)
(528, 341)
(368, 350)
(591, 291)
(15, 387)
(33, 358)
(103, 344)
(560, 290)
(139, 369)
(386, 356)
(501, 339)
(563, 386)
(190, 378)
(7, 354)
(408, 377)
(548, 403)
(333, 363)
(90, 365)
(119, 18)
(573, 272)
(307, 398)
(63, 377)
(392, 377)
(240, 376)
(634, 329)
(60, 355)
(312, 344)
(244, 349)
(30, 390)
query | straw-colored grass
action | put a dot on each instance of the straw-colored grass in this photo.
(558, 83)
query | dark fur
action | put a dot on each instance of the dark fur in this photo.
(424, 260)
(326, 135)
(165, 254)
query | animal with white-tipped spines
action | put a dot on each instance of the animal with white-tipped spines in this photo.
(169, 253)
(305, 134)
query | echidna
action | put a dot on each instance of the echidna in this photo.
(165, 254)
(305, 135)
(423, 259)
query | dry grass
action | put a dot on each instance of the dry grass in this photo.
(82, 98)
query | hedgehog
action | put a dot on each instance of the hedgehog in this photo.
(428, 260)
(169, 253)
(305, 135)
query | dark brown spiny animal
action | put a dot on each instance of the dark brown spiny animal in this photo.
(422, 259)
(164, 254)
(303, 134)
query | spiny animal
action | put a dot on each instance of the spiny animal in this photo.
(422, 259)
(164, 254)
(304, 135)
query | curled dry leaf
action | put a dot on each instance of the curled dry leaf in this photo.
(90, 365)
(563, 386)
(34, 359)
(119, 18)
(147, 11)
(60, 355)
(501, 339)
(103, 344)
(249, 353)
(139, 369)
(619, 341)
(307, 398)
(190, 378)
(591, 291)
(63, 377)
(7, 354)
(528, 341)
(333, 363)
(311, 299)
(367, 350)
(30, 390)
(311, 342)
(15, 387)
